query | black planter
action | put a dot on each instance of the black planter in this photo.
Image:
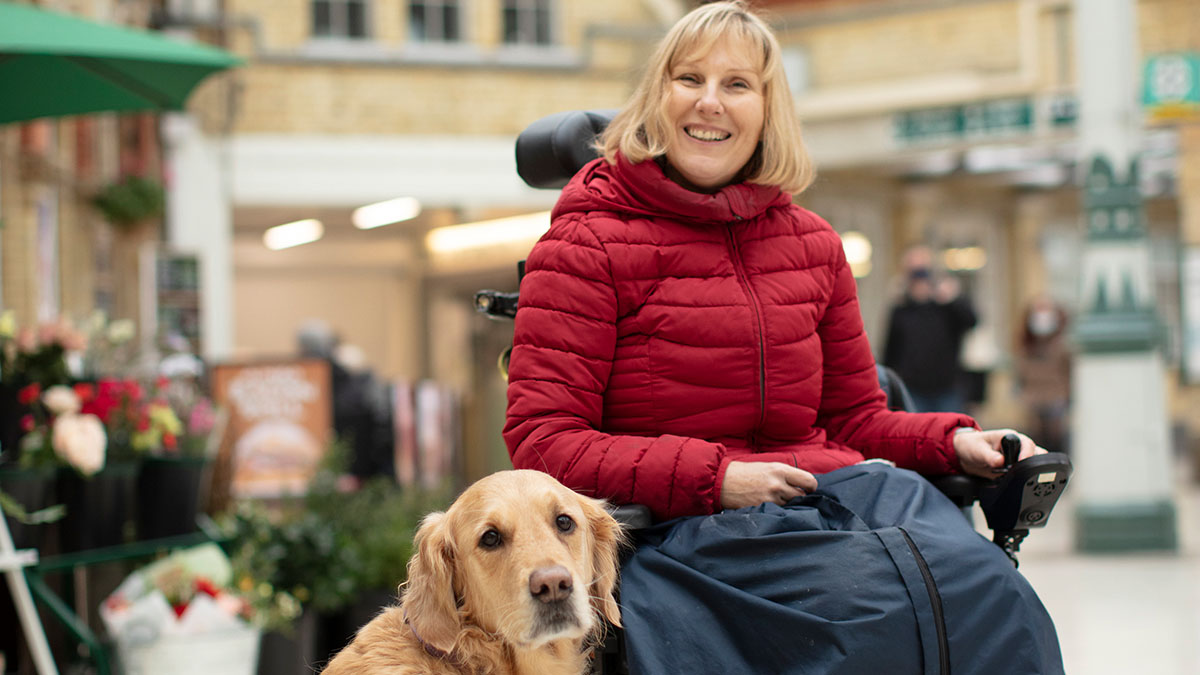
(33, 489)
(288, 654)
(99, 508)
(337, 629)
(169, 494)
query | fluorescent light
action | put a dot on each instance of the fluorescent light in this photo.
(966, 259)
(386, 213)
(483, 234)
(293, 234)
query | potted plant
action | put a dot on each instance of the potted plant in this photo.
(131, 201)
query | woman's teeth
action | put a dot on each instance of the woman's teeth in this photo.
(705, 135)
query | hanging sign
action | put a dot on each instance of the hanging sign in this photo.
(1171, 86)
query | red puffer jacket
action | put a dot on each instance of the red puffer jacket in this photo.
(664, 333)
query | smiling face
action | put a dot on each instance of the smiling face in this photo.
(715, 107)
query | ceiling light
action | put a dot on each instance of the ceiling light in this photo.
(483, 234)
(293, 234)
(858, 252)
(386, 213)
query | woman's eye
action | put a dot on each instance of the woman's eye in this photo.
(565, 524)
(690, 79)
(490, 539)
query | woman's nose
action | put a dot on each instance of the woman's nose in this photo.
(709, 102)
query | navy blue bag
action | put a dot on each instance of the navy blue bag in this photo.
(875, 572)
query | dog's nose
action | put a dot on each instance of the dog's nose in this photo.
(549, 584)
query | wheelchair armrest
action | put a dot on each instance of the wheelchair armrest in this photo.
(632, 516)
(554, 148)
(962, 489)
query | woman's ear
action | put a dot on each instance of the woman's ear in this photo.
(607, 538)
(429, 602)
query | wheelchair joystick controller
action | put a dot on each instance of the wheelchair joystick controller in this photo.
(1010, 447)
(1023, 495)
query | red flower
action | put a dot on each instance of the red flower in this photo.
(206, 587)
(169, 441)
(143, 423)
(27, 423)
(86, 392)
(162, 382)
(29, 393)
(133, 390)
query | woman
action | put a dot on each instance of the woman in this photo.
(1044, 371)
(689, 339)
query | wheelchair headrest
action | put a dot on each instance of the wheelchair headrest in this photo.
(551, 150)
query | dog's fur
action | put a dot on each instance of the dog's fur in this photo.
(474, 606)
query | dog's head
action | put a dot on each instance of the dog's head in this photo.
(517, 555)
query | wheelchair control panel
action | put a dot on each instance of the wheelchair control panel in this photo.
(1024, 495)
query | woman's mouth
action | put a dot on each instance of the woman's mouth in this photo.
(706, 134)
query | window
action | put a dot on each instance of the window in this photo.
(527, 22)
(339, 18)
(435, 21)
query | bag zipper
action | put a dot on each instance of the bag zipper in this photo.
(935, 599)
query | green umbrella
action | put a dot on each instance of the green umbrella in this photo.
(54, 64)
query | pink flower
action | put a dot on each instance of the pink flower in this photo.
(80, 441)
(202, 418)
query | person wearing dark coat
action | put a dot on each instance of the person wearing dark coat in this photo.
(925, 337)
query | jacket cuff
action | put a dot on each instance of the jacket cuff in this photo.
(718, 482)
(948, 451)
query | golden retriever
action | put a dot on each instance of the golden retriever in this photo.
(512, 579)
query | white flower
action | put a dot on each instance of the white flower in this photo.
(121, 330)
(61, 400)
(80, 440)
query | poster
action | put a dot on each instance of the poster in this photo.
(280, 421)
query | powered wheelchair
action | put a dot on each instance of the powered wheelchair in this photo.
(551, 150)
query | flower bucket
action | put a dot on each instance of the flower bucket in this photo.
(33, 489)
(99, 508)
(227, 652)
(170, 491)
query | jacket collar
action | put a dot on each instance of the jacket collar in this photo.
(644, 189)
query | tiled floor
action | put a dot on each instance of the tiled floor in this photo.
(1129, 613)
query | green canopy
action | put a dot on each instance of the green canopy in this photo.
(54, 64)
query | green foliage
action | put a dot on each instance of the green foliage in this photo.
(335, 543)
(130, 201)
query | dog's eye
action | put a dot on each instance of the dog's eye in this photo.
(565, 524)
(490, 539)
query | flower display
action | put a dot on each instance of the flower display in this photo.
(191, 592)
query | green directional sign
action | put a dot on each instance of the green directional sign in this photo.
(1171, 86)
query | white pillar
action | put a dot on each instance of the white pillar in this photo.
(200, 220)
(1120, 442)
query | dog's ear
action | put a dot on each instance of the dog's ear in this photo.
(607, 536)
(429, 601)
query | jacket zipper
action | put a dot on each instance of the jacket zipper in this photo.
(935, 599)
(744, 279)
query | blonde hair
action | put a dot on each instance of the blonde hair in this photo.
(641, 130)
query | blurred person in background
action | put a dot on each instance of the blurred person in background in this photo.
(925, 335)
(1044, 372)
(362, 415)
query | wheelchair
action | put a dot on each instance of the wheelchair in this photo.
(551, 150)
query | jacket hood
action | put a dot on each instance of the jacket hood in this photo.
(643, 189)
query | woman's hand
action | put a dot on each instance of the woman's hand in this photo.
(754, 483)
(979, 451)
